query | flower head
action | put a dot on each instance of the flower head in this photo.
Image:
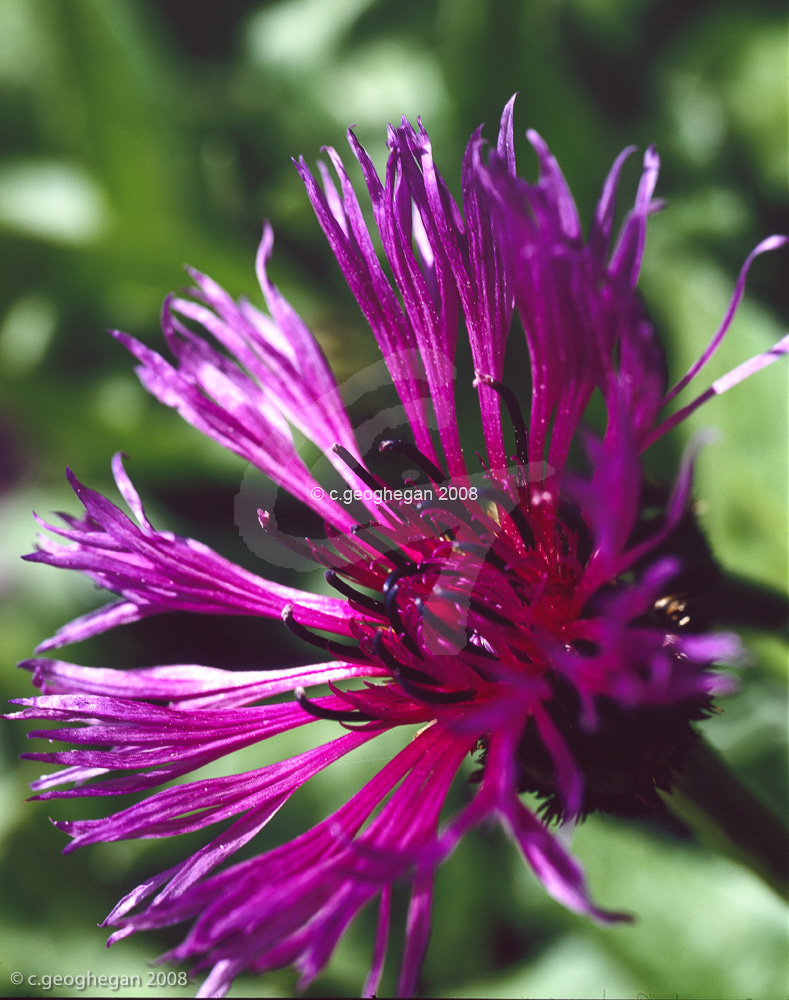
(547, 616)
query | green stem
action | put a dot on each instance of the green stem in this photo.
(708, 797)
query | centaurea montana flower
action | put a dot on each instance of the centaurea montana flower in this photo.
(545, 619)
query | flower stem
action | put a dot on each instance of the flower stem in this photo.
(708, 797)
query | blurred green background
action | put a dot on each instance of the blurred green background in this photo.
(144, 134)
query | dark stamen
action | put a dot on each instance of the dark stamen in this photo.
(410, 644)
(338, 649)
(370, 603)
(391, 585)
(357, 468)
(393, 555)
(514, 410)
(387, 657)
(414, 682)
(432, 697)
(332, 714)
(523, 526)
(571, 516)
(486, 611)
(430, 469)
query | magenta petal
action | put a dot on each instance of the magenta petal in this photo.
(560, 875)
(721, 385)
(771, 243)
(158, 571)
(373, 980)
(417, 934)
(188, 685)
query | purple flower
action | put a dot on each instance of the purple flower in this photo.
(552, 620)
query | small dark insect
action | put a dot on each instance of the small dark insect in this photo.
(702, 595)
(690, 604)
(675, 610)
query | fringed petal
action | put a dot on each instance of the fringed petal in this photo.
(158, 571)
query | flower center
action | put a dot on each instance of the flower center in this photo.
(469, 596)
